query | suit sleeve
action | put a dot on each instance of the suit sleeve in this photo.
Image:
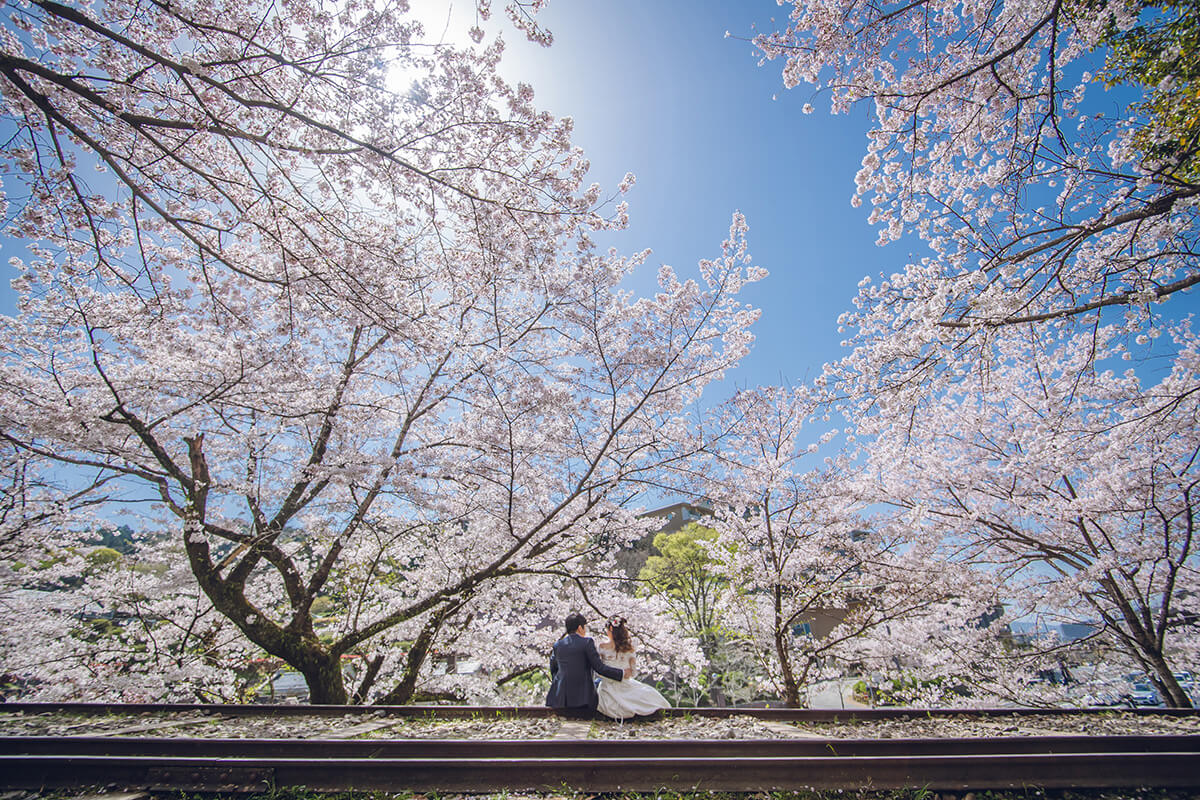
(598, 666)
(553, 663)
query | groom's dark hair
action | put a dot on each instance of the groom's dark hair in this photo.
(574, 620)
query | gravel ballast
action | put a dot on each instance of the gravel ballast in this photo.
(382, 726)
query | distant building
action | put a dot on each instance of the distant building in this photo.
(818, 622)
(1028, 632)
(673, 518)
(676, 515)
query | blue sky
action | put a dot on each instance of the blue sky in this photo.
(656, 88)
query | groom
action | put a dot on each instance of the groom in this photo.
(571, 664)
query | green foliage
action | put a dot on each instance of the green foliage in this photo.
(150, 568)
(51, 561)
(899, 691)
(682, 573)
(102, 556)
(322, 606)
(681, 555)
(1162, 53)
(535, 682)
(94, 630)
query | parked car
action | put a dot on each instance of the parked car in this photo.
(285, 685)
(1101, 698)
(1143, 694)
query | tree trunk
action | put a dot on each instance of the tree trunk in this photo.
(324, 678)
(1142, 644)
(403, 691)
(297, 644)
(368, 680)
(1164, 680)
(783, 645)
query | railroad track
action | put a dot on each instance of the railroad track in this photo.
(453, 712)
(217, 764)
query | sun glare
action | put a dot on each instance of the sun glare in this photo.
(441, 26)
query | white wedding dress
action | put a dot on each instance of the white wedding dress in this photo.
(629, 697)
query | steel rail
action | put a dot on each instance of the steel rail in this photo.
(227, 765)
(740, 773)
(482, 712)
(587, 748)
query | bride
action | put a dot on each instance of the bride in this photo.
(629, 697)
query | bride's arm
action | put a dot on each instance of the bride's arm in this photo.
(631, 666)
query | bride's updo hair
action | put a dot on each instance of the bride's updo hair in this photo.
(620, 635)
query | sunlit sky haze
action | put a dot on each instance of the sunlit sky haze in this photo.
(658, 89)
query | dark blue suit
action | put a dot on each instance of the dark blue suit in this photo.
(571, 665)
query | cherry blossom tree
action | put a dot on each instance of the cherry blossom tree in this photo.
(401, 473)
(1071, 485)
(1056, 222)
(139, 628)
(1039, 202)
(263, 139)
(33, 504)
(523, 15)
(351, 349)
(794, 542)
(136, 628)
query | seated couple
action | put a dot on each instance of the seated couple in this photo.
(616, 694)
